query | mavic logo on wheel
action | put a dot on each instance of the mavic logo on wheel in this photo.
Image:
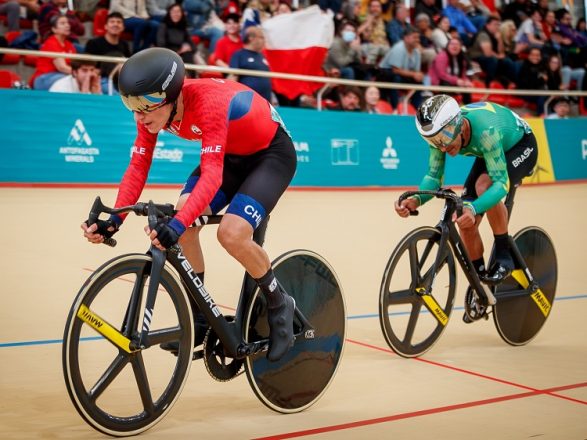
(198, 284)
(538, 297)
(435, 309)
(90, 318)
(541, 301)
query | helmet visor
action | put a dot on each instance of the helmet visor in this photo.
(447, 134)
(144, 103)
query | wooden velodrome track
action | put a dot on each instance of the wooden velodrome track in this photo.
(469, 385)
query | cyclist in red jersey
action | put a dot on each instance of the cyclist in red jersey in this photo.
(247, 161)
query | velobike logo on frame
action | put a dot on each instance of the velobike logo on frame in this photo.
(389, 159)
(198, 284)
(584, 148)
(79, 145)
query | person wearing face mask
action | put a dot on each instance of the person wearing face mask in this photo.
(55, 8)
(344, 56)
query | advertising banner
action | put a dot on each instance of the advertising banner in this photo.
(82, 139)
(67, 138)
(568, 147)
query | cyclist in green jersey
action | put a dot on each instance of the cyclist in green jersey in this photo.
(506, 151)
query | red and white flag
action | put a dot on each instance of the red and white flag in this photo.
(298, 43)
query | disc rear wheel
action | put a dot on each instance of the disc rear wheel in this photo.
(300, 378)
(521, 312)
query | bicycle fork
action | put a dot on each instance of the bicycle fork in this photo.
(428, 279)
(125, 339)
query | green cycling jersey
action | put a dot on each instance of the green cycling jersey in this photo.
(494, 130)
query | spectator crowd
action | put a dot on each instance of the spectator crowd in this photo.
(466, 43)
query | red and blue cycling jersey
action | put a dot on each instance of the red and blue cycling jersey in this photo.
(227, 117)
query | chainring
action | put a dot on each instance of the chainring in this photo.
(220, 367)
(474, 310)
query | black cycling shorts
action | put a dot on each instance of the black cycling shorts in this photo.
(521, 160)
(252, 185)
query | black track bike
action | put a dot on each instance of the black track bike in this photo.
(419, 283)
(122, 383)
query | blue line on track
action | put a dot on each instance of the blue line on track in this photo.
(367, 316)
(44, 342)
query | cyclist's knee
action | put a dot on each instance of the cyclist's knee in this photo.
(233, 232)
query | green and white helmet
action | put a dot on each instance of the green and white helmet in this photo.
(439, 120)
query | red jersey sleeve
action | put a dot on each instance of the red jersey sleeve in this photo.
(212, 113)
(135, 176)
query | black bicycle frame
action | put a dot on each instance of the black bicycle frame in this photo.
(450, 235)
(229, 332)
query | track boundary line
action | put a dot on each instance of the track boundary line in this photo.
(420, 413)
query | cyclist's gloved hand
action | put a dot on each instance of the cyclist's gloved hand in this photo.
(106, 228)
(169, 231)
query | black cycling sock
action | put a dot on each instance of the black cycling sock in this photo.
(479, 265)
(270, 288)
(502, 245)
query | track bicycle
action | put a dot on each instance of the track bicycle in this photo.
(420, 277)
(135, 302)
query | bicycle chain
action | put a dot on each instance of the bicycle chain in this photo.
(215, 359)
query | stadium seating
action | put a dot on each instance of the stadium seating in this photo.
(8, 78)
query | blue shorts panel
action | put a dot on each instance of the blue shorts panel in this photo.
(248, 208)
(219, 201)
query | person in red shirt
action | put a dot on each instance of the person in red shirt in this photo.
(230, 43)
(52, 8)
(247, 161)
(49, 69)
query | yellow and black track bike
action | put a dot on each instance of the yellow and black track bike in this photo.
(419, 283)
(122, 383)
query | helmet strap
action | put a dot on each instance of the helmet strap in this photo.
(172, 114)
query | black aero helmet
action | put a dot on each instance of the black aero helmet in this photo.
(150, 79)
